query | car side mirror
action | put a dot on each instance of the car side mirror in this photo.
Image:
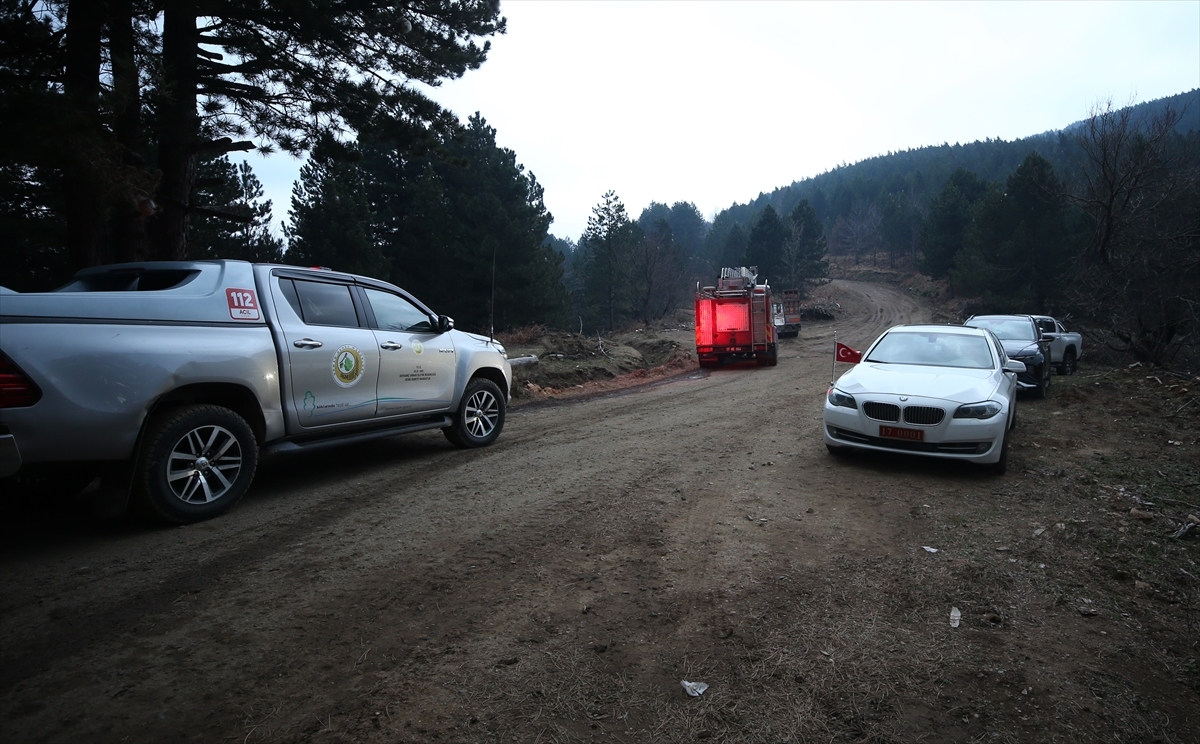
(1012, 365)
(445, 323)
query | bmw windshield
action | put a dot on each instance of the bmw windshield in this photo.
(932, 349)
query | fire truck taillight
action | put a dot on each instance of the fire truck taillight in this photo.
(16, 389)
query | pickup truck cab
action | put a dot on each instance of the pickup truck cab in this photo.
(169, 379)
(1066, 348)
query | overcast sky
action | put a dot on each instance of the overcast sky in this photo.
(715, 102)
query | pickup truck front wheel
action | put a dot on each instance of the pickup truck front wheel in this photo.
(196, 462)
(480, 417)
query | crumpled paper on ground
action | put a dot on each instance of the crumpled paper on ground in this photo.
(695, 689)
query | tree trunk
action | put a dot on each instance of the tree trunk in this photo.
(178, 127)
(130, 242)
(82, 182)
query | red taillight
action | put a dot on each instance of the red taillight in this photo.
(16, 389)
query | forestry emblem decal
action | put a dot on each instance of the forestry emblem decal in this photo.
(347, 366)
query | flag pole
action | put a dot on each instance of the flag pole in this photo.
(833, 364)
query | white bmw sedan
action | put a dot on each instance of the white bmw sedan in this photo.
(940, 391)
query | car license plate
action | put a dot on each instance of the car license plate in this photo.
(896, 432)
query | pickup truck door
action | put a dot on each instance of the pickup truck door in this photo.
(1054, 331)
(416, 364)
(333, 360)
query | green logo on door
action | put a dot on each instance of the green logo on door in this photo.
(347, 366)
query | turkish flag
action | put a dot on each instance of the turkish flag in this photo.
(848, 355)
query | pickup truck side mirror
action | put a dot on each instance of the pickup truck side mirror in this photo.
(445, 323)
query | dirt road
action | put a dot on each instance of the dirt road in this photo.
(560, 584)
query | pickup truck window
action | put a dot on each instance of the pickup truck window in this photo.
(321, 304)
(394, 313)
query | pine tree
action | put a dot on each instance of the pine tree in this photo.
(606, 245)
(1017, 245)
(764, 247)
(137, 94)
(465, 227)
(945, 229)
(733, 249)
(804, 251)
(656, 271)
(237, 220)
(330, 222)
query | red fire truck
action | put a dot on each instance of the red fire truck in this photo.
(734, 320)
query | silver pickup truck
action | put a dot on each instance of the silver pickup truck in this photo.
(1066, 348)
(169, 379)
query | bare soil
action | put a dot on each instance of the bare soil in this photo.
(648, 527)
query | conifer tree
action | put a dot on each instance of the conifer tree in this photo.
(1017, 245)
(764, 247)
(803, 259)
(606, 245)
(238, 225)
(465, 228)
(142, 92)
(945, 229)
(330, 222)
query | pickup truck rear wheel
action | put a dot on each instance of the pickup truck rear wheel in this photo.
(1069, 363)
(197, 461)
(480, 418)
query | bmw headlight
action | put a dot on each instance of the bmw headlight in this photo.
(842, 400)
(984, 410)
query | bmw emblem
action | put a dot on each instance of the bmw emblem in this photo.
(903, 398)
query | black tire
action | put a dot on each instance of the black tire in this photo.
(480, 417)
(1000, 467)
(709, 364)
(1070, 363)
(773, 355)
(1044, 385)
(196, 462)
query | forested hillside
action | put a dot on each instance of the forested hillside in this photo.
(1099, 220)
(882, 201)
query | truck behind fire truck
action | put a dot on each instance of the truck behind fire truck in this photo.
(734, 320)
(787, 314)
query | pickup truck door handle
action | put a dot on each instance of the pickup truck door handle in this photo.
(307, 343)
(391, 346)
